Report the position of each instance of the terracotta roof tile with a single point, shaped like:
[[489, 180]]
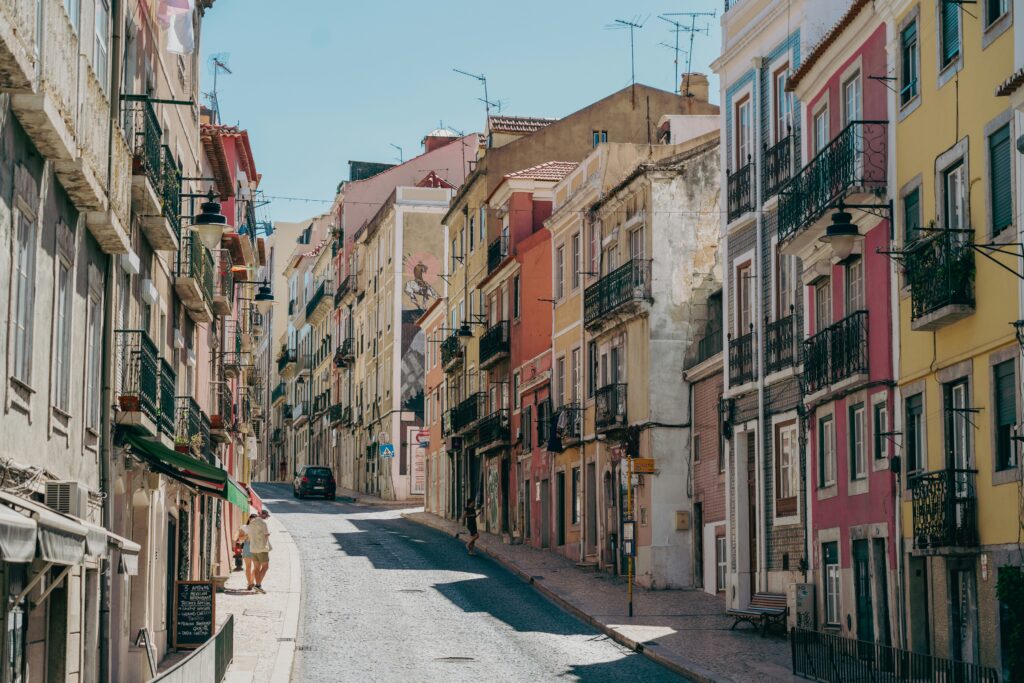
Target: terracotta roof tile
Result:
[[549, 170], [517, 124], [1011, 84], [825, 43]]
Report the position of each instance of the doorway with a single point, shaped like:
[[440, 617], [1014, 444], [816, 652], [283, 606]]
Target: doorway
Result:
[[591, 490], [881, 588], [752, 511], [698, 545], [504, 494], [172, 573], [560, 508], [545, 513], [862, 588], [527, 504], [963, 602]]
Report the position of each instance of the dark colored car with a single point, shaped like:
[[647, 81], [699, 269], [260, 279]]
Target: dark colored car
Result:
[[313, 480]]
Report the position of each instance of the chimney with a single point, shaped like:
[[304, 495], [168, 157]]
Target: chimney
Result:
[[438, 138], [698, 90]]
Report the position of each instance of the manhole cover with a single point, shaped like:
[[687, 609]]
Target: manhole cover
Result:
[[454, 659]]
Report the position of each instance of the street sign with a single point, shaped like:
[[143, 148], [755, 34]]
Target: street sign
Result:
[[423, 438], [387, 450], [643, 465]]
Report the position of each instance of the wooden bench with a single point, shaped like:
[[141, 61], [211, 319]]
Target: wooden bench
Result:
[[764, 609]]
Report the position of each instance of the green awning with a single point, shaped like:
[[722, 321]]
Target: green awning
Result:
[[189, 470]]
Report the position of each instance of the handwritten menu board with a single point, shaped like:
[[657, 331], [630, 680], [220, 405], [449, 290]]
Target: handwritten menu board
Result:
[[194, 613]]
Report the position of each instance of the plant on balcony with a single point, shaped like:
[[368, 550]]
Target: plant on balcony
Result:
[[129, 402]]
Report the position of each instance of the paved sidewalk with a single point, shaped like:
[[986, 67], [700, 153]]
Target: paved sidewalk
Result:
[[265, 625], [350, 496], [686, 631]]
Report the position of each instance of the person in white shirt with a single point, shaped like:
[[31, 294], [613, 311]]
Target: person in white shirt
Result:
[[259, 546]]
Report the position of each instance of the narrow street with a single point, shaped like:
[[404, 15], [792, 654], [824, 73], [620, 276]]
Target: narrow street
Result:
[[385, 599]]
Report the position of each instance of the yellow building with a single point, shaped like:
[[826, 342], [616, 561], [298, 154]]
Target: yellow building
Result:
[[958, 360]]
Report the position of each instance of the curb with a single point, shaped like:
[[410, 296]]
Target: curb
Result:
[[282, 671], [686, 668]]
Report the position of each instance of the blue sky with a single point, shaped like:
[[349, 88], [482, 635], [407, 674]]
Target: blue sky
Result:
[[320, 82]]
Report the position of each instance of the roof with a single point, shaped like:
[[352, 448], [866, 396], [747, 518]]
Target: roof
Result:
[[443, 133], [825, 43], [212, 136], [549, 170], [517, 124], [1011, 84]]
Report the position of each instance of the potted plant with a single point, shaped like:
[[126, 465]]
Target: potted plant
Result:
[[181, 444], [128, 402], [196, 443]]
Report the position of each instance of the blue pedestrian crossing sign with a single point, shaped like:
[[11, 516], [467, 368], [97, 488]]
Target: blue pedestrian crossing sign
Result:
[[387, 450]]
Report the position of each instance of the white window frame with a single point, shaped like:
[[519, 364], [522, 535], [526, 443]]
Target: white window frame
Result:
[[64, 293], [854, 273], [721, 563], [23, 284], [93, 362], [101, 48], [827, 444], [821, 135], [858, 436], [576, 254], [833, 591], [560, 272]]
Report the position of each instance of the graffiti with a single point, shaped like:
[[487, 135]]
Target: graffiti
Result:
[[413, 365], [420, 270], [492, 498]]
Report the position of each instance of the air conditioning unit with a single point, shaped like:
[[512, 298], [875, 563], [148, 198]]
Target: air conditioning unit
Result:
[[68, 497]]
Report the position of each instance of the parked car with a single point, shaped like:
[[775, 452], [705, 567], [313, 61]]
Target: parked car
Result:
[[313, 480]]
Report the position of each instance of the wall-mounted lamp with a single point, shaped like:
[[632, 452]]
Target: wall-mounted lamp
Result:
[[842, 234]]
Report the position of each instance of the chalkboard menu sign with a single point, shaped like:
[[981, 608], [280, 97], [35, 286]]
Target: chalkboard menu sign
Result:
[[194, 613]]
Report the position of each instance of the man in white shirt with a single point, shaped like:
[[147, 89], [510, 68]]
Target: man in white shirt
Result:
[[259, 546]]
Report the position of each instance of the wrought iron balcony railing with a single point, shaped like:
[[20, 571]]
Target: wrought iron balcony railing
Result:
[[451, 351], [740, 190], [138, 373], [318, 296], [468, 411], [570, 422], [345, 285], [780, 343], [277, 393], [838, 352], [776, 167], [335, 413], [188, 424], [494, 344], [141, 119], [939, 269], [610, 406], [168, 387], [170, 190], [195, 261], [854, 161], [742, 368], [629, 282], [493, 430], [346, 416], [345, 353], [945, 509], [709, 345], [497, 251], [286, 358]]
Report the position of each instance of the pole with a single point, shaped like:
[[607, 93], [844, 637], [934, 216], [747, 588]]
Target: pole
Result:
[[629, 511]]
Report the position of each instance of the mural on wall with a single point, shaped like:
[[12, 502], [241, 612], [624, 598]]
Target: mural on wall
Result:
[[413, 365], [492, 499], [421, 274]]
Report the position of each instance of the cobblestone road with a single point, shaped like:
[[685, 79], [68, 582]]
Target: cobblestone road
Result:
[[385, 599]]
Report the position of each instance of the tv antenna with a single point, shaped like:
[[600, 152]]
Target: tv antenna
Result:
[[693, 31], [219, 63], [401, 157], [676, 29], [483, 79], [633, 24]]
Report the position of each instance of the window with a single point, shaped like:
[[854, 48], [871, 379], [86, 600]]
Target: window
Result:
[[560, 272], [909, 63], [696, 448], [721, 442], [787, 469], [821, 129], [94, 347], [591, 368], [455, 251], [74, 10], [744, 302], [636, 244], [516, 283], [1005, 388], [822, 305], [595, 234], [783, 103], [784, 284], [577, 392], [826, 452], [911, 214], [949, 33], [957, 424], [101, 56], [576, 246], [527, 428], [744, 135], [1000, 179], [426, 409], [516, 402], [577, 496], [600, 136], [24, 297], [858, 455], [994, 10], [852, 90], [472, 233], [830, 563], [560, 381], [483, 223], [854, 286], [880, 420], [721, 563], [62, 359]]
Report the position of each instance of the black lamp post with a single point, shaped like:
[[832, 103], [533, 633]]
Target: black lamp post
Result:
[[1018, 330], [842, 234]]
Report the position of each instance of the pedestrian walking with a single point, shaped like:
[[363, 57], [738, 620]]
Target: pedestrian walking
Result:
[[259, 545], [469, 517], [243, 536]]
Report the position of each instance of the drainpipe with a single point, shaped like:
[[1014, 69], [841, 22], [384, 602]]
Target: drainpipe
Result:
[[583, 447], [762, 531]]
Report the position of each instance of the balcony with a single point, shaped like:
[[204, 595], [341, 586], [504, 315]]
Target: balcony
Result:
[[319, 305], [138, 380], [277, 394], [497, 251], [494, 344], [335, 413], [286, 362], [740, 197], [776, 167], [493, 431], [570, 423], [708, 345], [446, 422], [838, 353], [468, 411], [170, 193], [346, 286], [188, 430], [18, 42], [939, 271], [223, 283], [144, 135], [851, 168], [945, 510], [741, 359], [610, 407], [223, 413], [345, 354], [451, 352], [194, 277], [780, 344], [165, 408], [624, 285], [346, 416]]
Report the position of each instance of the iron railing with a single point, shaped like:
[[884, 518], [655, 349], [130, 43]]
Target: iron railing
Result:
[[494, 343], [138, 372], [837, 352], [195, 261], [776, 167], [496, 253], [780, 343], [740, 191], [742, 368], [345, 285], [168, 386], [199, 665], [318, 296], [855, 160], [451, 351], [286, 357], [570, 422], [141, 119], [629, 282], [170, 190], [939, 269], [343, 355], [468, 411], [610, 406], [832, 658], [729, 4], [493, 429], [188, 421], [346, 416], [945, 509], [277, 393], [709, 345]]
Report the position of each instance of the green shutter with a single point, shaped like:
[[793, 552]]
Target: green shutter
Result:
[[912, 214], [1006, 393], [950, 31], [1001, 179]]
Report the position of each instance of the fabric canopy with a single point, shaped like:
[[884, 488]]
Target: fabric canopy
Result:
[[95, 540], [128, 554], [189, 470], [255, 501], [61, 538], [17, 536]]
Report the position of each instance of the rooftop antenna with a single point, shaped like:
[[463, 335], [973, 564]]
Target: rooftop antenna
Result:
[[693, 31], [633, 24], [219, 62], [676, 29], [483, 79], [401, 157]]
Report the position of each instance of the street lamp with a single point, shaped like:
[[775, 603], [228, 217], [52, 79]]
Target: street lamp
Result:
[[1018, 330], [210, 222], [842, 234], [264, 298]]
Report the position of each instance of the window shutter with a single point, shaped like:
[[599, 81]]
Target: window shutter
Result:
[[950, 28], [1006, 395], [912, 215], [1001, 179]]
